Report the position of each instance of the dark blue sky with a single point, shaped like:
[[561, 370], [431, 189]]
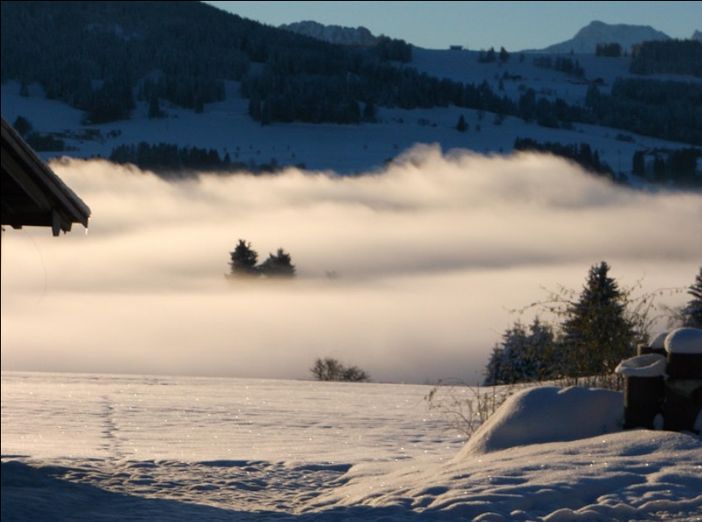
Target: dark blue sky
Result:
[[515, 25]]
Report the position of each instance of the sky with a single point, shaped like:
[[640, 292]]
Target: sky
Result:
[[478, 25], [429, 257]]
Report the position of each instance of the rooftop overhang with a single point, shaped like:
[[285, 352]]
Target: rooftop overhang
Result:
[[32, 194]]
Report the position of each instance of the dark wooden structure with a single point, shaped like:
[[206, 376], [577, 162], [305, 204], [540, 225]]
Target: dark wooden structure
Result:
[[32, 194]]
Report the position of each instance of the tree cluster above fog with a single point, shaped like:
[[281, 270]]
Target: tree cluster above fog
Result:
[[243, 263]]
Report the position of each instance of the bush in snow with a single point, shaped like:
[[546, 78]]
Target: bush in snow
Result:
[[466, 408], [329, 369]]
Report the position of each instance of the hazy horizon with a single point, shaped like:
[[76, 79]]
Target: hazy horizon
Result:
[[430, 254]]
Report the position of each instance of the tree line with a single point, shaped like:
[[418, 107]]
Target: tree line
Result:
[[598, 329], [678, 166], [582, 154], [666, 109], [667, 57]]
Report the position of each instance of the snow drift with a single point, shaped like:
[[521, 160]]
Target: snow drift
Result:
[[142, 447], [547, 414]]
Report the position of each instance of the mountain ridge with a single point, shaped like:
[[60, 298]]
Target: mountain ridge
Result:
[[335, 34], [596, 32]]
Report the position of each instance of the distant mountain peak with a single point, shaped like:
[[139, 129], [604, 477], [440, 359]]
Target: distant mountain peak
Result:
[[697, 35], [597, 32], [336, 34]]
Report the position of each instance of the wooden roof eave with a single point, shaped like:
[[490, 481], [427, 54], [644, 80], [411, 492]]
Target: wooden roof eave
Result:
[[55, 203]]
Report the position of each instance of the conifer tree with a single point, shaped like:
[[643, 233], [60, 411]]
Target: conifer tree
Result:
[[243, 260], [692, 313], [461, 126], [278, 265], [504, 55], [596, 333], [523, 355]]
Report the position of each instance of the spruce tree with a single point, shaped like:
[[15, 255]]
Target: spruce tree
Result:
[[596, 333], [243, 260], [461, 126], [504, 55], [278, 265], [692, 313], [523, 355]]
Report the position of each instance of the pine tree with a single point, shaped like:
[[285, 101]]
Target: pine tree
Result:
[[596, 332], [692, 313], [243, 260], [638, 164], [461, 126], [523, 355], [504, 55], [278, 265]]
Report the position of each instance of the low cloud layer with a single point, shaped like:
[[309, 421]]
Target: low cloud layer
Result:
[[429, 253]]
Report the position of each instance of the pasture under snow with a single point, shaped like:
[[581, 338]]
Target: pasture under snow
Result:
[[88, 447]]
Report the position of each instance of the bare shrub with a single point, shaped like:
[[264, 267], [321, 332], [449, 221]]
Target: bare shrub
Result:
[[467, 407]]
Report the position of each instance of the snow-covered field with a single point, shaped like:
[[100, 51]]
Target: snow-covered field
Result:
[[102, 447]]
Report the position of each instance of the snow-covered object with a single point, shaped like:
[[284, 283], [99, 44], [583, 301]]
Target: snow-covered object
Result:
[[684, 340], [659, 340], [648, 365], [548, 414]]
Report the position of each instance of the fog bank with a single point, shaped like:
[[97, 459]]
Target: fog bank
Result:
[[428, 256]]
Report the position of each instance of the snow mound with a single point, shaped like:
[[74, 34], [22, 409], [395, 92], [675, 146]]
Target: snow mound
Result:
[[684, 340], [659, 341], [548, 414], [648, 365]]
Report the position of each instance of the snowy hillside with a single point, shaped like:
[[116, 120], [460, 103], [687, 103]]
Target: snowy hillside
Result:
[[586, 39], [164, 448], [334, 34], [265, 97], [227, 127]]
